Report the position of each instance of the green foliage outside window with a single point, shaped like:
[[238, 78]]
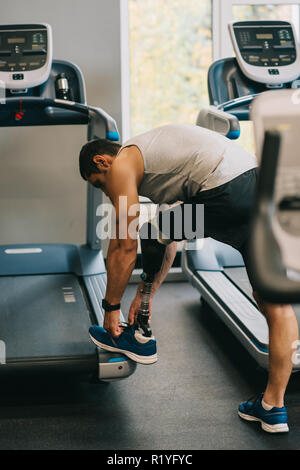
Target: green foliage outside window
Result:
[[170, 52], [262, 12]]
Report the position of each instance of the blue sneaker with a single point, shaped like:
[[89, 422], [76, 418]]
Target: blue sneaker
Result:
[[131, 343], [274, 420]]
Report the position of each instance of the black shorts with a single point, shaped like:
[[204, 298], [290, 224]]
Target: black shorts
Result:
[[227, 211]]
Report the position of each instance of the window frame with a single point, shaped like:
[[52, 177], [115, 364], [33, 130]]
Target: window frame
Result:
[[125, 69]]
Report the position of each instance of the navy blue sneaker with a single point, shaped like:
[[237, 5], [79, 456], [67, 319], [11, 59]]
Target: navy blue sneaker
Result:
[[131, 343], [274, 420]]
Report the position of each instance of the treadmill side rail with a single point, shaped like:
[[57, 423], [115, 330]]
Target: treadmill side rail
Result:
[[114, 366], [111, 366]]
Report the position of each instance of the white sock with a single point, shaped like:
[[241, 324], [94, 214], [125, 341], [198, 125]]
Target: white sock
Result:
[[266, 406]]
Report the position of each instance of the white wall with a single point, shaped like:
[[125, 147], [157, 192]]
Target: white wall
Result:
[[42, 198]]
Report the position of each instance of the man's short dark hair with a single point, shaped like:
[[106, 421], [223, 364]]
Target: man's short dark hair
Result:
[[92, 148]]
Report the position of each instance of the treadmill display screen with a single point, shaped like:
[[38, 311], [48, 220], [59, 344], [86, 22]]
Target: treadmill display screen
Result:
[[23, 50], [16, 40], [264, 36], [265, 46]]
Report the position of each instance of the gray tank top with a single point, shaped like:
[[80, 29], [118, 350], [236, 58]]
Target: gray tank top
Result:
[[181, 160]]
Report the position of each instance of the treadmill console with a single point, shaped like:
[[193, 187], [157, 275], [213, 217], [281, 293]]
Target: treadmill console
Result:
[[267, 51], [25, 55]]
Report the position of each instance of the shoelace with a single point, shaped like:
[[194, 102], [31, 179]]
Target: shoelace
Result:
[[126, 326], [255, 398]]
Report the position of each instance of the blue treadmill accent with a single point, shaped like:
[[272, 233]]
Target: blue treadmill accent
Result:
[[233, 135], [117, 359], [113, 136], [265, 350]]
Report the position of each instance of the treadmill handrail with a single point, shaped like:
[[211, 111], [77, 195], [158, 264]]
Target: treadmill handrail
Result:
[[111, 126], [45, 102], [237, 102], [90, 111]]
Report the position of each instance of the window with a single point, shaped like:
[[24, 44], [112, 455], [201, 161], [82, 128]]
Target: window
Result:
[[170, 53]]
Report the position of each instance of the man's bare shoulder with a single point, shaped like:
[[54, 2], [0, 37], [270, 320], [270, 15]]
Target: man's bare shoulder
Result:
[[131, 152], [129, 164]]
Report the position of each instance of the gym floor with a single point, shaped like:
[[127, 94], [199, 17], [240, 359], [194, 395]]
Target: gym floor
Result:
[[187, 400]]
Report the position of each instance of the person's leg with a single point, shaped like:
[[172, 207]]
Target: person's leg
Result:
[[268, 407], [283, 334]]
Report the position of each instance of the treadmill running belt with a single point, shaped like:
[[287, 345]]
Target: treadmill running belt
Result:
[[236, 305], [44, 316], [240, 278]]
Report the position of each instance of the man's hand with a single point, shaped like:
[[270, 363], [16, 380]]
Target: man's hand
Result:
[[112, 323], [135, 306]]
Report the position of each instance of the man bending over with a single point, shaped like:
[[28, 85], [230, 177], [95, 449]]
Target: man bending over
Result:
[[196, 166]]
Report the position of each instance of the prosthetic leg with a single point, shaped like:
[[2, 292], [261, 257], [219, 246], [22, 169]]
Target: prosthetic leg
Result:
[[153, 254]]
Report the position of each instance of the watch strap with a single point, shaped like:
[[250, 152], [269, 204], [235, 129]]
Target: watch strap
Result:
[[108, 307]]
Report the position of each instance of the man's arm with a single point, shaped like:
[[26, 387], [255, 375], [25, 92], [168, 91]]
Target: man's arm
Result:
[[122, 250], [120, 262]]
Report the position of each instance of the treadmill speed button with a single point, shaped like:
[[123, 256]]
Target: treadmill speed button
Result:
[[18, 76]]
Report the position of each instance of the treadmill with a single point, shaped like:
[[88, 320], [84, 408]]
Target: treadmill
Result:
[[50, 294], [267, 58]]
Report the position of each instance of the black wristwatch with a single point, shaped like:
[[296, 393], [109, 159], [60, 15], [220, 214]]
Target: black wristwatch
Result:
[[108, 307]]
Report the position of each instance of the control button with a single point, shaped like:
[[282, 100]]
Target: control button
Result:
[[273, 71], [18, 76]]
